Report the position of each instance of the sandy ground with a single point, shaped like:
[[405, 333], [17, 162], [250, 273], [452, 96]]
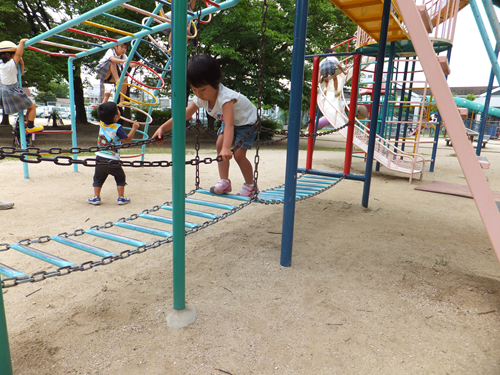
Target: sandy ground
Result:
[[409, 286]]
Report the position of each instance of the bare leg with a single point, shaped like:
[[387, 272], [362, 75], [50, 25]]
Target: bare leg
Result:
[[121, 191], [240, 155], [31, 113], [335, 82], [114, 72], [223, 165], [97, 191], [106, 97], [123, 90]]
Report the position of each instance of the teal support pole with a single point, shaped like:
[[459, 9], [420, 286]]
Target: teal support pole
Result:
[[292, 147], [492, 17], [387, 94], [76, 21], [179, 69], [486, 39], [5, 360], [22, 129], [71, 82]]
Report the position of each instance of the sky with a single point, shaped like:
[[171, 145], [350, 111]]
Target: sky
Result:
[[469, 64]]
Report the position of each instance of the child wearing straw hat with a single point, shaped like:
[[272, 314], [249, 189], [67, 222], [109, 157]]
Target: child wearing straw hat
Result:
[[12, 98]]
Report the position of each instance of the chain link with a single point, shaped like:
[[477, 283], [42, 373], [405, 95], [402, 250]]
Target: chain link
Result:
[[66, 270]]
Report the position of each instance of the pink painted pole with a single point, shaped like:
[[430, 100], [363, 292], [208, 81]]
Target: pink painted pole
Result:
[[352, 114], [312, 111], [474, 175]]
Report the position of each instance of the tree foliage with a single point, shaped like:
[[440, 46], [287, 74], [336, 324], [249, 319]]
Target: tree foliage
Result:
[[233, 36], [45, 97], [27, 19]]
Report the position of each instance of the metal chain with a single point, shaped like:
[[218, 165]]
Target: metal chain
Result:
[[197, 150], [91, 162], [263, 28], [38, 155], [66, 270]]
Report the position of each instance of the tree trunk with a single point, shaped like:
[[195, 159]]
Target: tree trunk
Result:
[[81, 114], [5, 119], [53, 116]]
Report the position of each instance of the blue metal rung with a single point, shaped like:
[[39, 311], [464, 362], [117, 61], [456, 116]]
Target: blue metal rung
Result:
[[321, 177], [166, 220], [230, 196], [209, 204], [301, 187], [193, 212], [49, 258], [272, 196], [298, 194], [312, 183], [140, 228], [83, 246], [116, 237], [10, 272]]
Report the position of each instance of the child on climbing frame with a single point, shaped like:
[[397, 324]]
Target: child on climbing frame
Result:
[[238, 116], [110, 133], [12, 97], [328, 68], [192, 40], [110, 66]]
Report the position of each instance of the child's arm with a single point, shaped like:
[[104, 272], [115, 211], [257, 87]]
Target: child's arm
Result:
[[166, 126], [21, 63], [19, 51], [131, 133], [228, 116]]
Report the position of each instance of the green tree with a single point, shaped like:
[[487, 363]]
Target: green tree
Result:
[[470, 97], [234, 36], [60, 89], [45, 97]]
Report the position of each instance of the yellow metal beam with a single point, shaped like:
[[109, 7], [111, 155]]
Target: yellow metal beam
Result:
[[367, 14]]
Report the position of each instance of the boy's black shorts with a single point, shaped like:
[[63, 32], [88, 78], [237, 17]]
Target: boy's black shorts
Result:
[[103, 171]]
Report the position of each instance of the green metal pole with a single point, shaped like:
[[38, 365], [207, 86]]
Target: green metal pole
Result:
[[5, 361], [179, 51]]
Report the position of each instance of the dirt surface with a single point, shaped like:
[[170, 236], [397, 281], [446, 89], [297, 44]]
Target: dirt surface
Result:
[[409, 286]]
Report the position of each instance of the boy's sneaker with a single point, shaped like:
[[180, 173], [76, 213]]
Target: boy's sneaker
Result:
[[221, 187], [337, 93], [247, 190], [123, 200], [95, 201]]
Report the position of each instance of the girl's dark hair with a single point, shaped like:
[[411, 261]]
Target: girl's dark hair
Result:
[[107, 112], [329, 50], [204, 70], [4, 57]]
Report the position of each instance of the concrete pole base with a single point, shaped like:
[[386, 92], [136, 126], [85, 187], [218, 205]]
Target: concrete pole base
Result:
[[181, 318]]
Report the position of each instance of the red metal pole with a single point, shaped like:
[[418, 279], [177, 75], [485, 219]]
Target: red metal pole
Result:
[[352, 114], [312, 111]]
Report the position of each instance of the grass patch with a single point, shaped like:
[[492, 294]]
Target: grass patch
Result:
[[441, 262]]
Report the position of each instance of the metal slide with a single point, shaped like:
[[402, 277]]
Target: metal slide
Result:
[[386, 153]]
